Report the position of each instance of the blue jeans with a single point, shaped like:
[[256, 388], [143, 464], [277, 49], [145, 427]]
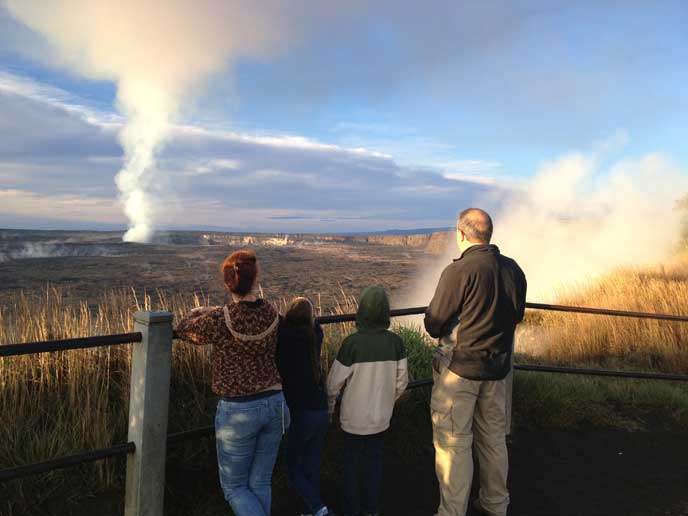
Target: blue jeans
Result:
[[361, 473], [248, 436], [304, 452]]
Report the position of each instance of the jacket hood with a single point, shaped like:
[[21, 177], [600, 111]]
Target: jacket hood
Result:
[[373, 310]]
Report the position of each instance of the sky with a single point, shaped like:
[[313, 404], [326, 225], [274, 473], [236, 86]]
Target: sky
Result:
[[392, 114]]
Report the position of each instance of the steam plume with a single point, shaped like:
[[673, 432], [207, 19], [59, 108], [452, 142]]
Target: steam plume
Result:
[[577, 220], [157, 52]]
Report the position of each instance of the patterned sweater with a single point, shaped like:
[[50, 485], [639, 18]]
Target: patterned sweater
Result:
[[244, 340]]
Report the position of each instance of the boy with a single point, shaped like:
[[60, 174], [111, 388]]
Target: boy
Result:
[[371, 367]]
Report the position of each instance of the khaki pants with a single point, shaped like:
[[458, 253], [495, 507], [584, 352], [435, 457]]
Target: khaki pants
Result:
[[461, 409], [509, 381]]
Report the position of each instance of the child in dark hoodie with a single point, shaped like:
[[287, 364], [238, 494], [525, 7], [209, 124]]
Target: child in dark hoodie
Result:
[[371, 367], [298, 361]]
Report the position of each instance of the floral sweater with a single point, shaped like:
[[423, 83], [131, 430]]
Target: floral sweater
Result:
[[244, 340]]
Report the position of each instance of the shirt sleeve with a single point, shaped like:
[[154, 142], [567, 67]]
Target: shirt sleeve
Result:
[[522, 289], [281, 354], [340, 372], [197, 326], [402, 370], [445, 304], [319, 337]]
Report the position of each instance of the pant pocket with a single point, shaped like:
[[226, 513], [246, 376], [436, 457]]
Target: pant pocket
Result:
[[442, 424]]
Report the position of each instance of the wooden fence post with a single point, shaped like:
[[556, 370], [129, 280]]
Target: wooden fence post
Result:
[[151, 362]]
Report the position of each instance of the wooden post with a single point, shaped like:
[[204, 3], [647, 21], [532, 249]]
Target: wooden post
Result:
[[151, 362]]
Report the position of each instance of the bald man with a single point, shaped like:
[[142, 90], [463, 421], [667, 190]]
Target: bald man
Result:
[[478, 302]]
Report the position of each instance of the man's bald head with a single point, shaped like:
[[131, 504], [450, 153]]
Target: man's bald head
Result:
[[476, 224]]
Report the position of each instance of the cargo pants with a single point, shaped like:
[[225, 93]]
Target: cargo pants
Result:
[[466, 412]]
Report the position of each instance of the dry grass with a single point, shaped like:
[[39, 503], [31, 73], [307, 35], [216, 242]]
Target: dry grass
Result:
[[618, 342]]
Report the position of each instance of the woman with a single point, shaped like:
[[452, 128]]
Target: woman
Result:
[[251, 413], [298, 360]]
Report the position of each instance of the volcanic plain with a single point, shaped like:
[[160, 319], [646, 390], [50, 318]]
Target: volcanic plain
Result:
[[84, 265]]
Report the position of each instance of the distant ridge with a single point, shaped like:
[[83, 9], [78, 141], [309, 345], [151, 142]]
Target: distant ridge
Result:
[[417, 231], [220, 229]]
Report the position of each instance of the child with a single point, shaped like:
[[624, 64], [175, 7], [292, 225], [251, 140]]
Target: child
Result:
[[298, 361], [371, 366]]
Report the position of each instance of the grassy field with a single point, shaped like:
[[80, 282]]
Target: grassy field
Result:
[[62, 403]]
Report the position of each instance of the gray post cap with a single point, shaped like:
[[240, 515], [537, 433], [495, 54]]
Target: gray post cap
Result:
[[157, 317]]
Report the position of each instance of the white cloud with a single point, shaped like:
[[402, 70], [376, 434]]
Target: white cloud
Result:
[[220, 178], [51, 96], [21, 203]]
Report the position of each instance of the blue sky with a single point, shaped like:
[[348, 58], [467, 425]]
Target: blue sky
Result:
[[397, 115]]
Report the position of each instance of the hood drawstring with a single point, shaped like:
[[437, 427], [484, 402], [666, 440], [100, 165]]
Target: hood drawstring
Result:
[[249, 338], [284, 426]]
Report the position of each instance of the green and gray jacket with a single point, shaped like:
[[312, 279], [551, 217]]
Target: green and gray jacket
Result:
[[371, 367]]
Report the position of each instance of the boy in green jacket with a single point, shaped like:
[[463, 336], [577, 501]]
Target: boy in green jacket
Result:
[[372, 368]]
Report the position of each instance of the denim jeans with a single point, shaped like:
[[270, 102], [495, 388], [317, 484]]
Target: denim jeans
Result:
[[361, 473], [248, 436], [304, 452]]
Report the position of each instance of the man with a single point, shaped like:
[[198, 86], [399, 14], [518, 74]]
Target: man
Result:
[[479, 301]]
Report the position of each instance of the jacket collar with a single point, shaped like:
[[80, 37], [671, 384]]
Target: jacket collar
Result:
[[479, 248]]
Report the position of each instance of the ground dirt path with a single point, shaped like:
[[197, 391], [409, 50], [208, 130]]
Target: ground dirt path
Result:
[[553, 473], [558, 473]]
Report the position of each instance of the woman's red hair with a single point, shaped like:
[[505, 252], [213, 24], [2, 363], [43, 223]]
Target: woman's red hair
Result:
[[239, 271]]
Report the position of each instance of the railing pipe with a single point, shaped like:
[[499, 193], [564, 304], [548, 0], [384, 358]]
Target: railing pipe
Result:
[[602, 372], [329, 319], [29, 348], [65, 462], [604, 311]]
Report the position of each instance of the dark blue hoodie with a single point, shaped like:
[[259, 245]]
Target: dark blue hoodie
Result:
[[300, 387]]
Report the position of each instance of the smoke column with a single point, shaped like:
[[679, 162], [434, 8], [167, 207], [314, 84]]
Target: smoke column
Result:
[[158, 52], [578, 219]]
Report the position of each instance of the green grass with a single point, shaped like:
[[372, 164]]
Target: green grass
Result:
[[544, 400]]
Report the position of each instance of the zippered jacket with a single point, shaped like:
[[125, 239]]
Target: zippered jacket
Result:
[[479, 300], [371, 367]]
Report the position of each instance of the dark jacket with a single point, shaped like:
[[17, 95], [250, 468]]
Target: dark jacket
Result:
[[486, 292], [300, 387]]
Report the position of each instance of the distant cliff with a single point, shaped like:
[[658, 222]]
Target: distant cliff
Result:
[[434, 243]]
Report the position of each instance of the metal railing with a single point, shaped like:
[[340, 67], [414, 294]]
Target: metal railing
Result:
[[151, 364], [66, 462], [33, 348]]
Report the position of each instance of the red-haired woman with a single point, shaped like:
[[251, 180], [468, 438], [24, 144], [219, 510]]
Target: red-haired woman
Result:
[[251, 414]]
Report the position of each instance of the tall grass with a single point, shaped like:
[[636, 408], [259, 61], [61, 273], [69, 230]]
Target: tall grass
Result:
[[618, 342], [57, 404]]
